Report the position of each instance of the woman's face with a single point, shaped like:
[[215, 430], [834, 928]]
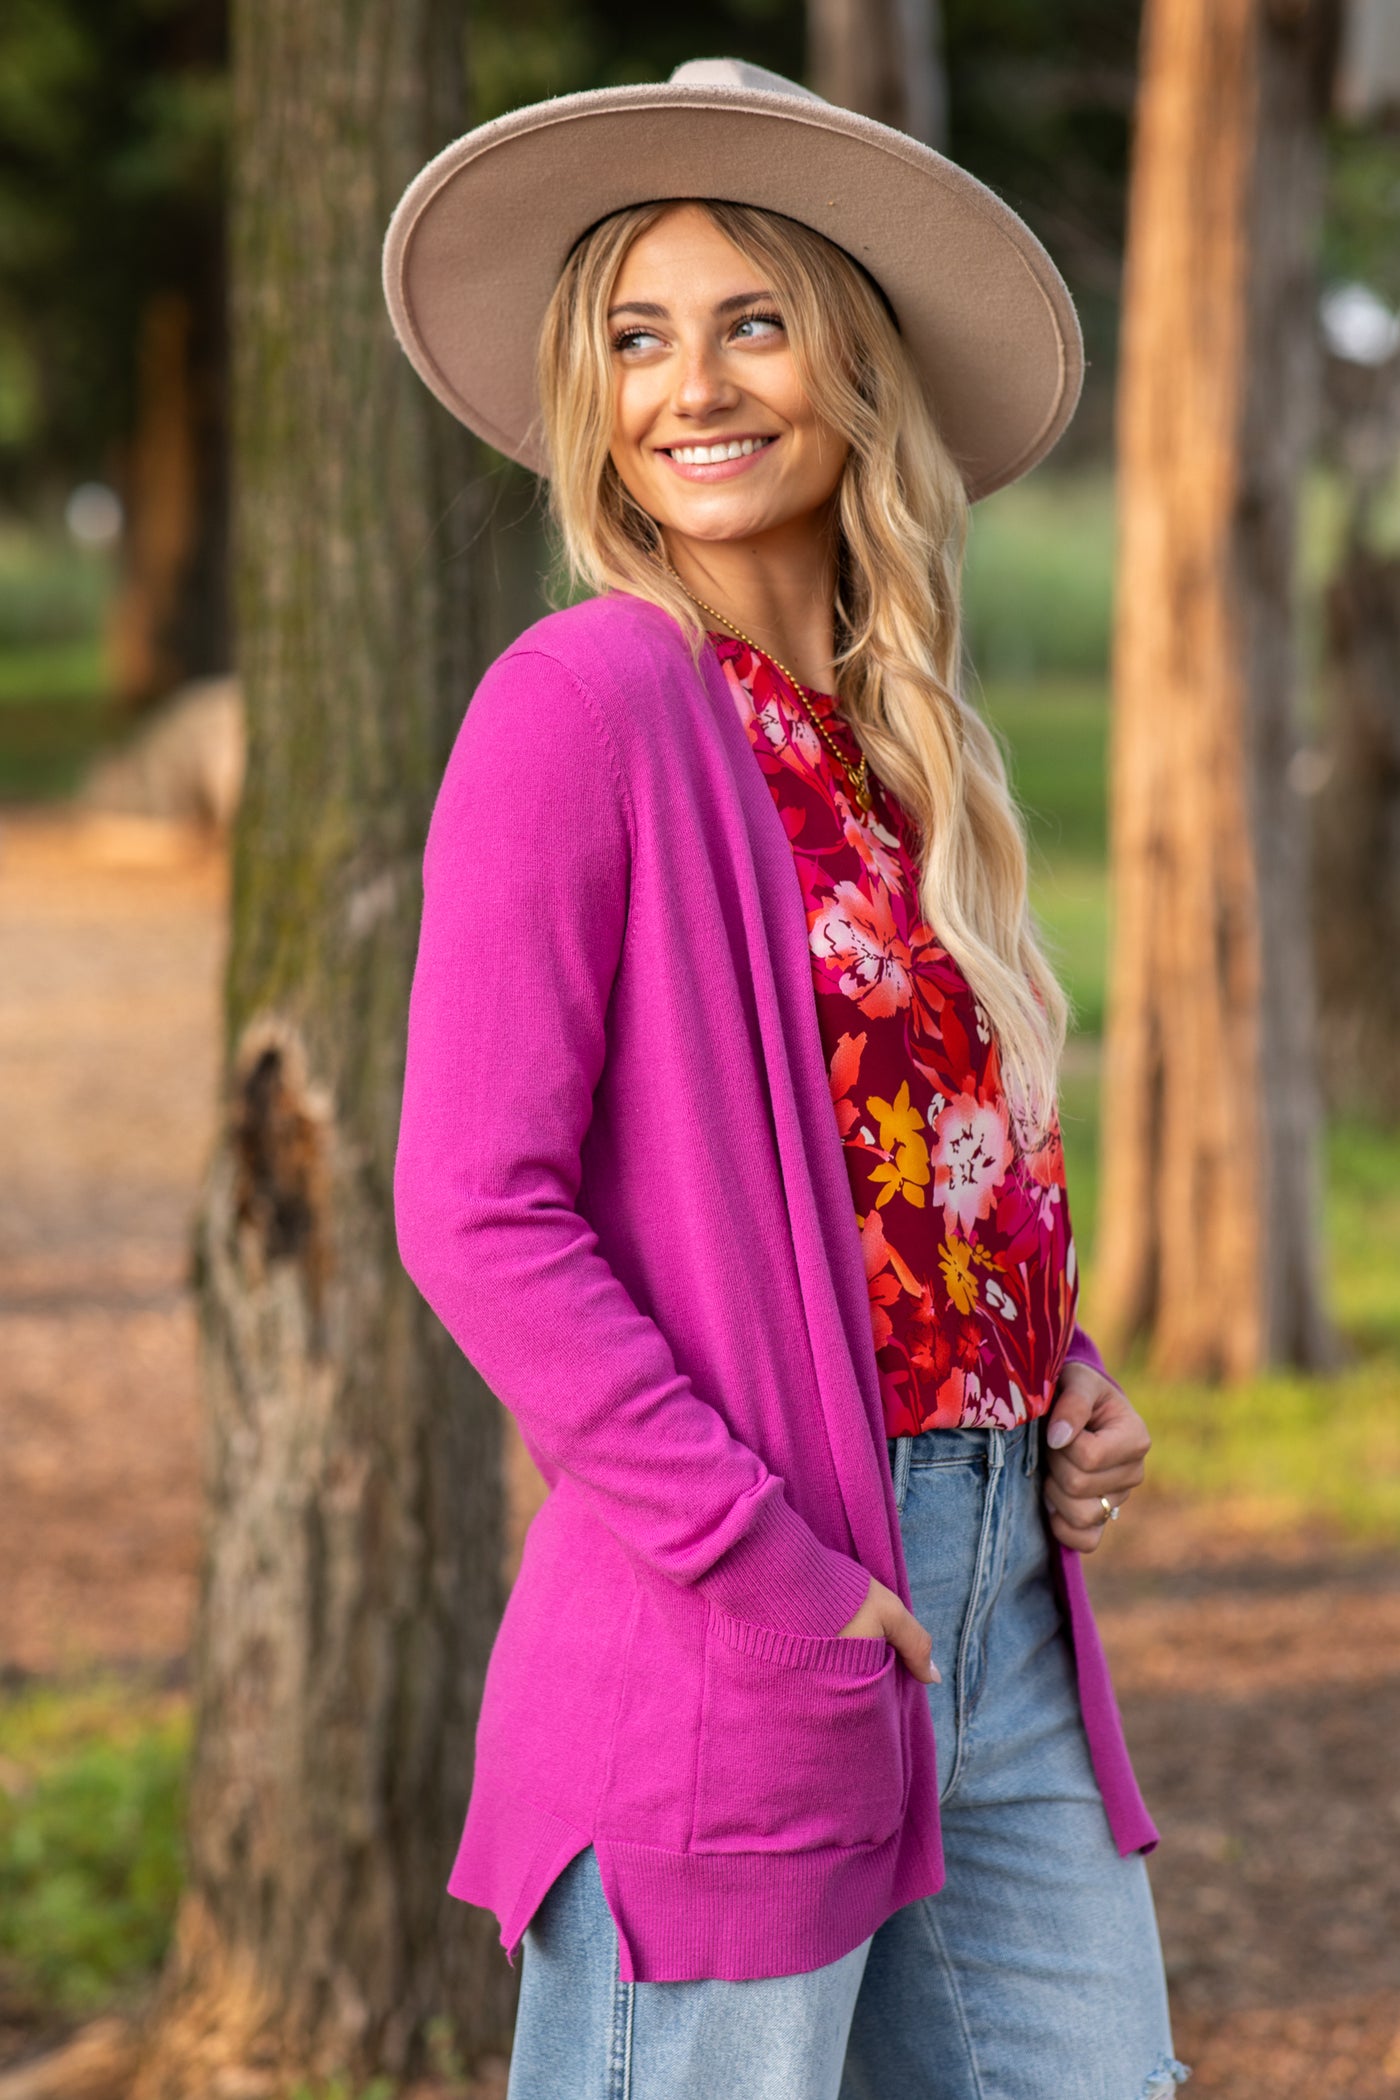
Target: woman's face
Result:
[[712, 432]]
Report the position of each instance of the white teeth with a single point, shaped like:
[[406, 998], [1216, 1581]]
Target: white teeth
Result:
[[711, 455]]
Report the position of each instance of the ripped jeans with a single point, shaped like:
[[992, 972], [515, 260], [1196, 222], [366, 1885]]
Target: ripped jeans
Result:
[[1035, 1973]]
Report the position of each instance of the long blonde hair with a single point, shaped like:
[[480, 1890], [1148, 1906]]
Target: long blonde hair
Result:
[[901, 512]]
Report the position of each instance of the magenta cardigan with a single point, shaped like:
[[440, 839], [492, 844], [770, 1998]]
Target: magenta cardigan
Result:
[[620, 1185]]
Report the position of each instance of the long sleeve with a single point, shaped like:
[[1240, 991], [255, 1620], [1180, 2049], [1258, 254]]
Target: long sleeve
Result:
[[527, 876], [1084, 1350]]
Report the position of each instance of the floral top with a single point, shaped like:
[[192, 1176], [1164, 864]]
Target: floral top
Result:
[[969, 1252]]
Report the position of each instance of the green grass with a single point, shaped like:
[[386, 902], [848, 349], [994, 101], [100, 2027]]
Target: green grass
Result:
[[1285, 1448], [1038, 590], [1055, 734], [1363, 1235], [1284, 1451], [55, 715], [91, 1814], [54, 703], [57, 675], [50, 590]]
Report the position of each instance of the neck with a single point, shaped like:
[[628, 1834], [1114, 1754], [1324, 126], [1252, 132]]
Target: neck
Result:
[[779, 590]]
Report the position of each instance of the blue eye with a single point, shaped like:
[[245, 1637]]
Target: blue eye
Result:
[[748, 320], [628, 336]]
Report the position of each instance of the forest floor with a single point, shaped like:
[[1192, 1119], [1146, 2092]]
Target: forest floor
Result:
[[1258, 1667]]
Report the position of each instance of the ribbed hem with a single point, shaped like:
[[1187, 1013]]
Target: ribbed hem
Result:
[[780, 1574], [685, 1916], [740, 1915]]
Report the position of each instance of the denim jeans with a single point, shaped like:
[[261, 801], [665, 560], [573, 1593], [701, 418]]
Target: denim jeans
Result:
[[1034, 1974]]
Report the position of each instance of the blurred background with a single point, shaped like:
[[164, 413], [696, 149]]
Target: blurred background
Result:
[[245, 587]]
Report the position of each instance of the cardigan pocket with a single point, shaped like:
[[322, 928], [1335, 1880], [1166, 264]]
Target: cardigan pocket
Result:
[[801, 1741]]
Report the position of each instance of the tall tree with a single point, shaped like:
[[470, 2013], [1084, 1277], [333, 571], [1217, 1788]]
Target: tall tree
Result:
[[354, 1539], [112, 312], [1210, 1224], [883, 58], [1356, 895]]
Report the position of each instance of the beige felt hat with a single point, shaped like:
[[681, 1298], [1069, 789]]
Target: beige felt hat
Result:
[[477, 241]]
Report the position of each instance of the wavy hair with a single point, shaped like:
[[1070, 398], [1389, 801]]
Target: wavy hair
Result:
[[901, 516]]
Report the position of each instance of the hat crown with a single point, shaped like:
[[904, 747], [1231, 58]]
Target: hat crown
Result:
[[737, 73]]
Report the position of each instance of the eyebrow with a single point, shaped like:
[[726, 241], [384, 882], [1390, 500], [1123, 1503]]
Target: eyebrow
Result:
[[652, 312]]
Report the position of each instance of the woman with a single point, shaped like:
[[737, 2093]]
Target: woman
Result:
[[729, 1152]]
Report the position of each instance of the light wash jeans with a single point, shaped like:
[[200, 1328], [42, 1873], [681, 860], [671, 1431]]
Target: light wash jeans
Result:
[[1034, 1974]]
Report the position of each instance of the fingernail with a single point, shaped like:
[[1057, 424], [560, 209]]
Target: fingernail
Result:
[[1058, 1435]]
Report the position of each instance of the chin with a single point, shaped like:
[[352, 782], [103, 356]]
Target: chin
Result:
[[712, 523]]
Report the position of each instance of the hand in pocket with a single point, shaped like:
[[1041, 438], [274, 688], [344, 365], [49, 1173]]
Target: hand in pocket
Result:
[[883, 1617]]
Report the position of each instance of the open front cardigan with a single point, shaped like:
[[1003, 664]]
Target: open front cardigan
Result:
[[620, 1185]]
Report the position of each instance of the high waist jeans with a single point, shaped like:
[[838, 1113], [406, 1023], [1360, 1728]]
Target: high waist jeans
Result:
[[1034, 1974]]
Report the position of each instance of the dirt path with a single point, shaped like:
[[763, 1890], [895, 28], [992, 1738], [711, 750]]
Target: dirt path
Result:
[[1259, 1676], [111, 955], [1261, 1693]]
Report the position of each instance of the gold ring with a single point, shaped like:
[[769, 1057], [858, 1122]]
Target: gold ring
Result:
[[1110, 1509]]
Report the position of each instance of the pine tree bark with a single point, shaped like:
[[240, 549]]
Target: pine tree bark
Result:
[[169, 620], [354, 1542], [1356, 898], [1209, 1220], [883, 58]]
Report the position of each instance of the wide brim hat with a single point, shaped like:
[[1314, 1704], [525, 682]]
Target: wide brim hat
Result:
[[477, 242]]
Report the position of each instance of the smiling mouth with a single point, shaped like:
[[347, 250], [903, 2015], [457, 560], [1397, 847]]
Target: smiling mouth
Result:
[[715, 454]]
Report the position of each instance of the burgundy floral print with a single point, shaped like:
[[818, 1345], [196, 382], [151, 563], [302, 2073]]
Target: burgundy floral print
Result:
[[969, 1253]]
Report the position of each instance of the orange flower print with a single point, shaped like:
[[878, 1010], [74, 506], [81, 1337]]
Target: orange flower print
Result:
[[972, 1153], [843, 1074], [929, 997], [858, 934], [877, 847], [884, 1289], [1047, 1162]]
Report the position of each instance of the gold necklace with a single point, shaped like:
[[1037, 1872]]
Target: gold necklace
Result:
[[859, 775]]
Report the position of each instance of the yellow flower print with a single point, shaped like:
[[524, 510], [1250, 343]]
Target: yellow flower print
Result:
[[898, 1120], [955, 1258], [908, 1172]]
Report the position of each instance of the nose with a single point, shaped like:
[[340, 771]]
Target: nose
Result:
[[702, 387]]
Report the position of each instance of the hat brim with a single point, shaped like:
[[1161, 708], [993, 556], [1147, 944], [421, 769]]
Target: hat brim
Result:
[[476, 244]]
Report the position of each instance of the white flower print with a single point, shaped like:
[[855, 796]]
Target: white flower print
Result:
[[971, 1153]]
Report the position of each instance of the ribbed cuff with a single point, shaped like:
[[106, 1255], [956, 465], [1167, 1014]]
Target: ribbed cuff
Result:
[[779, 1574], [1083, 1350]]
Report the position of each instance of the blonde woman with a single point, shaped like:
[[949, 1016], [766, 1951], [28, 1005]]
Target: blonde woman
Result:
[[729, 1151]]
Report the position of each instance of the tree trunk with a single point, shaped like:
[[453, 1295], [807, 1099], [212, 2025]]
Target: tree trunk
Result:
[[883, 58], [354, 1543], [169, 620], [1210, 1215], [1357, 894]]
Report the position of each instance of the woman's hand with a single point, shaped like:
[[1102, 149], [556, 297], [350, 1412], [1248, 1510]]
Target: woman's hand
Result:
[[1097, 1443], [883, 1617]]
